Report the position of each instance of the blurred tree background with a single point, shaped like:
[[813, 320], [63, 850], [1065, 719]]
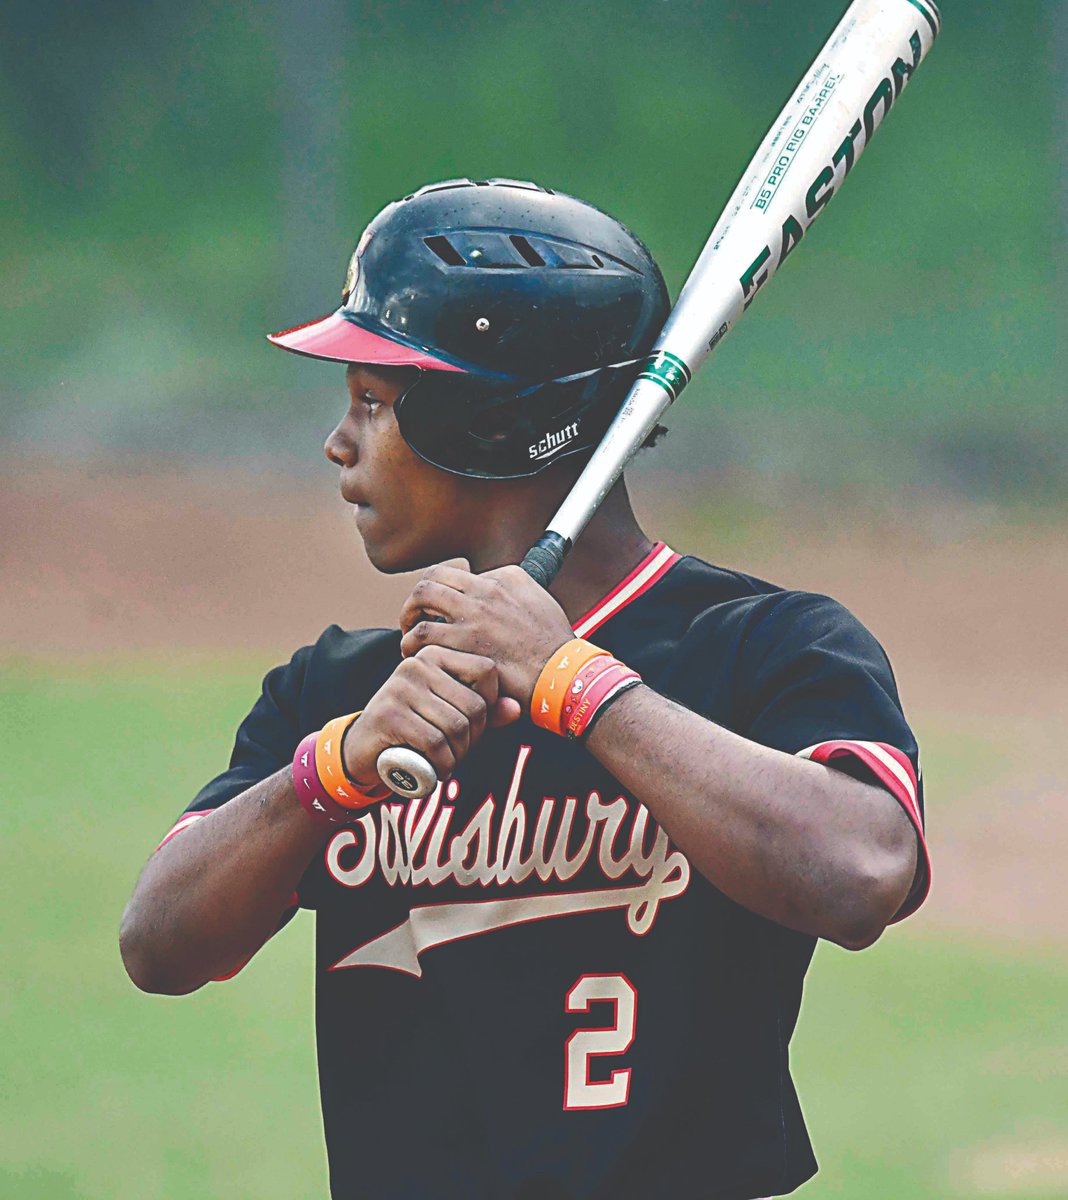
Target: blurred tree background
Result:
[[180, 179]]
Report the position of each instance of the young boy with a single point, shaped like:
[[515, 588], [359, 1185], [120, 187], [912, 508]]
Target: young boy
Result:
[[574, 969]]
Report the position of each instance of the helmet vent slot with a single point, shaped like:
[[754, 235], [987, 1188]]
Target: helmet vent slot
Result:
[[445, 250], [527, 250]]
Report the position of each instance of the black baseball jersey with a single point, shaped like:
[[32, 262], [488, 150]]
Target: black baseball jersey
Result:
[[524, 989]]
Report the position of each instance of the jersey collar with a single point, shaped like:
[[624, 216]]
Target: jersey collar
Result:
[[652, 568]]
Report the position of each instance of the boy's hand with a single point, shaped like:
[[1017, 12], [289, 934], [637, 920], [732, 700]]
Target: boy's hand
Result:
[[438, 702], [502, 615]]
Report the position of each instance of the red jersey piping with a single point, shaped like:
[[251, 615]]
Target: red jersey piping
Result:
[[893, 769], [649, 571]]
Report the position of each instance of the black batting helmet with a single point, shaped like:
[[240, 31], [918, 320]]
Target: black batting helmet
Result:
[[527, 312]]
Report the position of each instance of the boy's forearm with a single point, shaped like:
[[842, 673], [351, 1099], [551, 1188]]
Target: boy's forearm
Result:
[[209, 899], [797, 842]]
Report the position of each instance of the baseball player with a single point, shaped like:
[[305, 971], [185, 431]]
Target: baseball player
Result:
[[573, 970]]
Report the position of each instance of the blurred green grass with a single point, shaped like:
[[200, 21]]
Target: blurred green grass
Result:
[[912, 1058]]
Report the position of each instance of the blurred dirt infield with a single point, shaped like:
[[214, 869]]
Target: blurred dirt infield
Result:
[[971, 610]]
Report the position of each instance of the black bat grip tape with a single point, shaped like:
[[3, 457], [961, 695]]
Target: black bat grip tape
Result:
[[545, 558]]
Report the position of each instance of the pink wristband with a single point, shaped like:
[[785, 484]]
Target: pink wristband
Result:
[[609, 684], [314, 798], [580, 685]]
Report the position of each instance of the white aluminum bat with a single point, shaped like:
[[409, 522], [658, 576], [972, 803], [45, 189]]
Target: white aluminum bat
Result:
[[806, 156]]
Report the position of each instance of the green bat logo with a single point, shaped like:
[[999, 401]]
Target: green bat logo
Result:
[[822, 188]]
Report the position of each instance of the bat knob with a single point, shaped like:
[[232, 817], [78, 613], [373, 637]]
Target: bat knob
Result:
[[406, 772]]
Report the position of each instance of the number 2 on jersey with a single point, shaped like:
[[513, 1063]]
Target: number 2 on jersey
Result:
[[584, 1044]]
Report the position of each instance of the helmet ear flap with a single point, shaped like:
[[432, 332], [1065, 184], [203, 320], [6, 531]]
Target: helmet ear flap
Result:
[[500, 423], [465, 424], [499, 429]]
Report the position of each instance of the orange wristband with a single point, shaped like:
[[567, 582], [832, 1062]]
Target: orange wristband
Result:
[[330, 766], [547, 703]]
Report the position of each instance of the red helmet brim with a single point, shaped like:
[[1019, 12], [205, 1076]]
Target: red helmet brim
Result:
[[336, 339]]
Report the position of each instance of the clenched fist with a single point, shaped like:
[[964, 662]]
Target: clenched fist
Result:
[[438, 701], [502, 615]]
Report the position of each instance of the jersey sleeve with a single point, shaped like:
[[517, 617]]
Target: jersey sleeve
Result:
[[266, 741], [812, 681]]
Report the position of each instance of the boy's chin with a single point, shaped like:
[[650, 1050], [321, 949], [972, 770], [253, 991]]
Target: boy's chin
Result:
[[393, 560]]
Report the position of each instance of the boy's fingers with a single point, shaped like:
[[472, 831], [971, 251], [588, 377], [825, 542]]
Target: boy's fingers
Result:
[[504, 712]]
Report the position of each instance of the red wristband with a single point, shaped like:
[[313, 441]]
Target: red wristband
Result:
[[610, 683], [579, 687], [314, 798]]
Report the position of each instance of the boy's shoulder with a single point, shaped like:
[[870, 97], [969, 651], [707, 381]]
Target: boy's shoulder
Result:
[[694, 604], [699, 593]]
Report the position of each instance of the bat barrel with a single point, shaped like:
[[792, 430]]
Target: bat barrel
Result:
[[806, 156]]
